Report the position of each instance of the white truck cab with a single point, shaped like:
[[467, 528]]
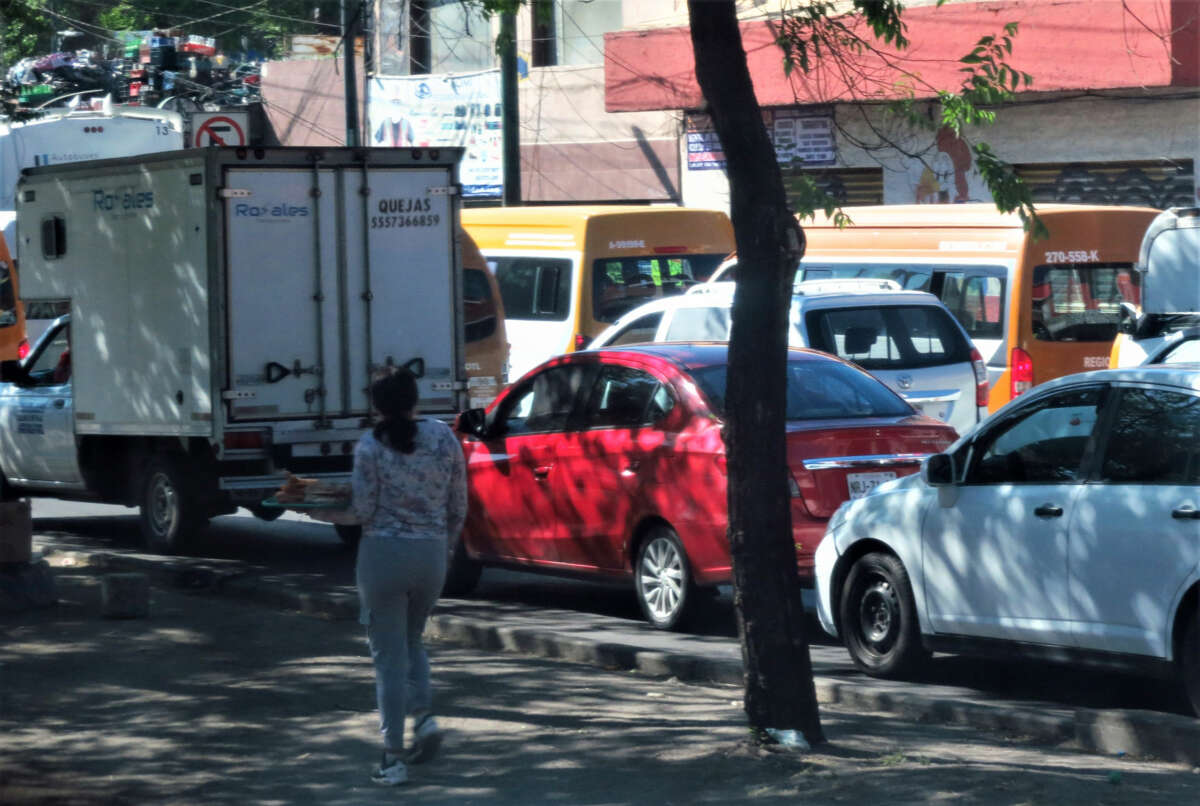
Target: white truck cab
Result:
[[37, 422]]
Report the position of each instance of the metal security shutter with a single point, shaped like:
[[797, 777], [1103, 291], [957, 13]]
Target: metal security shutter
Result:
[[1151, 183], [849, 186]]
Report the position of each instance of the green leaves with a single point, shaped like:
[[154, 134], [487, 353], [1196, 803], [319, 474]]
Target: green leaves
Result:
[[1008, 191], [820, 35], [808, 197]]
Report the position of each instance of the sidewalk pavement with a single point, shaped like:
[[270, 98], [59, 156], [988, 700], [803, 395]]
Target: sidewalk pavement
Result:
[[208, 700], [591, 640]]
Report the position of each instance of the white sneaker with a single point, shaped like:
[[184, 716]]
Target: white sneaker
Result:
[[426, 740], [391, 772]]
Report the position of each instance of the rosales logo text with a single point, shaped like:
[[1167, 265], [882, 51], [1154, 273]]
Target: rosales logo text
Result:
[[281, 210], [109, 201]]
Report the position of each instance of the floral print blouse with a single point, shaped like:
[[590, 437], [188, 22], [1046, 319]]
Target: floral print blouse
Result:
[[421, 495]]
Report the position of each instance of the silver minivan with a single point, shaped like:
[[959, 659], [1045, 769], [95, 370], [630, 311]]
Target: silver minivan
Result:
[[907, 339]]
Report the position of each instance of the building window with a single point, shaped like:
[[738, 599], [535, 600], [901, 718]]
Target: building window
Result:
[[1150, 183], [543, 53], [449, 36], [580, 26], [418, 40]]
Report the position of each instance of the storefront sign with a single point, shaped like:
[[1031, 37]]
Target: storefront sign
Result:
[[800, 138], [800, 135], [460, 109]]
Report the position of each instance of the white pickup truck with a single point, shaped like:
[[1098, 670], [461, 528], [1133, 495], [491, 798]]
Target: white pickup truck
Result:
[[218, 316]]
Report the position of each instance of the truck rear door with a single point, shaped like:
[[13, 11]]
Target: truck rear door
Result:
[[334, 274]]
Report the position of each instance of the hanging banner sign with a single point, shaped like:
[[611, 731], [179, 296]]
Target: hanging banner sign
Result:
[[455, 109]]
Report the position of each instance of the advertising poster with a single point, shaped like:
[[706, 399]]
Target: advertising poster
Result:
[[455, 109]]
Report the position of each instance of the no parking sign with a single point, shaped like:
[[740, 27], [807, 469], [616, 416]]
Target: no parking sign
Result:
[[219, 129]]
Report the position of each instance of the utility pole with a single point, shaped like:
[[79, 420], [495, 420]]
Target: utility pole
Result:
[[349, 26], [508, 105]]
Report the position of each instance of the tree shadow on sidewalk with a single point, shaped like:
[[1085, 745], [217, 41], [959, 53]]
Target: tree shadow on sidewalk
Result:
[[215, 701]]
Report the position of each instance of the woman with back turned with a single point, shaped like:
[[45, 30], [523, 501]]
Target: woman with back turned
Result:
[[410, 495]]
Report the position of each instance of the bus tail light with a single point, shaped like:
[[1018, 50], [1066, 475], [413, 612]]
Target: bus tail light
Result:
[[1021, 369], [981, 379], [23, 349], [580, 341]]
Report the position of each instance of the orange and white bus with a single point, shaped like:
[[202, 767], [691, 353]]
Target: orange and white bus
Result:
[[566, 273], [1036, 309], [13, 344]]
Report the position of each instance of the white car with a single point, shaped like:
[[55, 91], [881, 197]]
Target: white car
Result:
[[1066, 526], [907, 339]]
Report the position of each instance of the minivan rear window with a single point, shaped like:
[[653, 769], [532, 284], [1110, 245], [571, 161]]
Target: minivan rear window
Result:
[[889, 338], [817, 390]]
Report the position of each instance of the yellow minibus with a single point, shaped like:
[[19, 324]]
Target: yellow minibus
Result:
[[1036, 309], [566, 273]]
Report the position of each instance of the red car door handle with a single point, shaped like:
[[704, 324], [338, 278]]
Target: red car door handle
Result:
[[1048, 511], [630, 468], [1186, 513], [541, 471]]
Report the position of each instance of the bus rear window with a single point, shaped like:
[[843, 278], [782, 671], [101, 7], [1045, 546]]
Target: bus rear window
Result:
[[621, 284], [1081, 302]]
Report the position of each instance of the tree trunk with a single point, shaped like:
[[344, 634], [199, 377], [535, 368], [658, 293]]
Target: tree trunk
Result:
[[780, 692]]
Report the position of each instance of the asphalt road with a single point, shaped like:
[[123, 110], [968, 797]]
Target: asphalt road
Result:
[[297, 546]]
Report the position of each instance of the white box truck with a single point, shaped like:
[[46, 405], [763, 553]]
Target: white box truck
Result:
[[219, 314]]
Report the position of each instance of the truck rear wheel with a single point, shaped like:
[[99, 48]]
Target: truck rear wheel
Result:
[[170, 513]]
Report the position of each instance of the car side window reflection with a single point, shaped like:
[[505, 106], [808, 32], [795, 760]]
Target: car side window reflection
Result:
[[52, 367], [1044, 444], [626, 397], [1154, 439], [545, 404]]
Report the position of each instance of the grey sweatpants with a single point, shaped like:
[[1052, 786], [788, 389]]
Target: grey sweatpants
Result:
[[399, 581]]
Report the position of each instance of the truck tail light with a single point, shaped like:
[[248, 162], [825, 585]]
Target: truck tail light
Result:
[[245, 440], [1021, 370], [981, 379]]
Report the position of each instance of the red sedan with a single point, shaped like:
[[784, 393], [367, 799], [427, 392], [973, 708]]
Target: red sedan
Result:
[[611, 464]]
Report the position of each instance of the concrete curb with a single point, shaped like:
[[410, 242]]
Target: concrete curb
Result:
[[1169, 737]]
